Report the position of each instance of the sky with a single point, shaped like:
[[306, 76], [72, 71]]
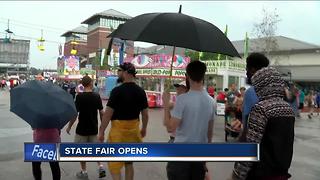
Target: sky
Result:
[[299, 19]]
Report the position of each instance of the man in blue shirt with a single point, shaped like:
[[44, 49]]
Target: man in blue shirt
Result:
[[255, 62], [192, 118], [249, 100]]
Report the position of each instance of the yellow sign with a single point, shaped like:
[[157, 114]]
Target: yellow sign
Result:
[[226, 64], [211, 70], [236, 65], [216, 64]]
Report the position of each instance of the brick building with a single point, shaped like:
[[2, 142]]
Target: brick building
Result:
[[79, 35], [93, 38], [100, 25]]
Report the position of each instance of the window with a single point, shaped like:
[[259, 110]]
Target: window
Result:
[[106, 22], [94, 25]]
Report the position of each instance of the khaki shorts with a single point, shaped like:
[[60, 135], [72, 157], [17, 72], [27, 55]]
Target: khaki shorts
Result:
[[85, 139]]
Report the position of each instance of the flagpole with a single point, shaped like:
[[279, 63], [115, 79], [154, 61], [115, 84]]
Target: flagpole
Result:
[[226, 34], [246, 46]]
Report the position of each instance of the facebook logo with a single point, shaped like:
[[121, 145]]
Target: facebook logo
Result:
[[40, 152]]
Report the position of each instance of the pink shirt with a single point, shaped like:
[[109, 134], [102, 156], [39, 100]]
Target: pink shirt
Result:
[[46, 135]]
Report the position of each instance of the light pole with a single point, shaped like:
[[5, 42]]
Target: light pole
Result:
[[290, 76]]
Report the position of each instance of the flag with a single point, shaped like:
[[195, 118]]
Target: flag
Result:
[[110, 59], [246, 46], [103, 52], [186, 52], [226, 34], [60, 50], [121, 52], [200, 55]]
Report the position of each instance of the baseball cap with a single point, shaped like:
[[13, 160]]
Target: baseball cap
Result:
[[129, 67], [182, 83]]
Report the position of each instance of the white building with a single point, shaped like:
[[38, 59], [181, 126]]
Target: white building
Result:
[[295, 59]]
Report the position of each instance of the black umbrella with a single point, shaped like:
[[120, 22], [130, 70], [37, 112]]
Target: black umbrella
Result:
[[42, 104], [176, 29]]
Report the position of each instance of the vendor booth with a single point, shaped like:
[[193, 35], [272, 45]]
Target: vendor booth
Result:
[[153, 70], [222, 73]]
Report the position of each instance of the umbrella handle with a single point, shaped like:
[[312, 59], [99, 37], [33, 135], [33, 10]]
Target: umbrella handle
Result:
[[167, 85], [169, 82]]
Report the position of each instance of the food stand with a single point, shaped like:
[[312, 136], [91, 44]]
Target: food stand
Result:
[[153, 70], [222, 73]]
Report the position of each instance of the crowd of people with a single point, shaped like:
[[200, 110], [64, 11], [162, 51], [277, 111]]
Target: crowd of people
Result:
[[10, 83], [264, 113]]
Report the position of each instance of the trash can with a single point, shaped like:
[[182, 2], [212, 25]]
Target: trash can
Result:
[[152, 100]]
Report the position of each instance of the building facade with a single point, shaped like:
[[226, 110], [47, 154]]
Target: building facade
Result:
[[100, 25], [298, 61], [92, 39], [14, 57]]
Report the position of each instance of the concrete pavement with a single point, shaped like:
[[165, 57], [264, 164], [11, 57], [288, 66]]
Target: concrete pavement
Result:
[[14, 131]]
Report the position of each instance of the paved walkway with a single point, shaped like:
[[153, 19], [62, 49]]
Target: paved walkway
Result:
[[14, 131]]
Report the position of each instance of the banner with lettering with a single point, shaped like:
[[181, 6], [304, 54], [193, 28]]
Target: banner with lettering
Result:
[[159, 61], [158, 72], [226, 64]]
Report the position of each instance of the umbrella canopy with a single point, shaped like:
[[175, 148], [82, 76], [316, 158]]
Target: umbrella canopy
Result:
[[42, 104], [176, 29]]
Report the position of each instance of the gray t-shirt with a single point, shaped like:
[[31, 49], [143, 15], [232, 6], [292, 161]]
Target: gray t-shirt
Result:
[[195, 109]]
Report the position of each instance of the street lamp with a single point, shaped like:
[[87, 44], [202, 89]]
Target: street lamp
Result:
[[290, 76]]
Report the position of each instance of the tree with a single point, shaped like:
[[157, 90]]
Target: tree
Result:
[[209, 56], [194, 55], [265, 31]]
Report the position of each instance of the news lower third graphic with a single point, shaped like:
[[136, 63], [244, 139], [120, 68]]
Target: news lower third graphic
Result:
[[40, 152], [141, 152]]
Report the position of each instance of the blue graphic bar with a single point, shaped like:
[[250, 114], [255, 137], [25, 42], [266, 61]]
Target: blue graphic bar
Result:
[[40, 152], [158, 152], [141, 152]]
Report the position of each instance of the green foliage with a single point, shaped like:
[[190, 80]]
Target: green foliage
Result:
[[194, 55], [105, 65], [96, 62]]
